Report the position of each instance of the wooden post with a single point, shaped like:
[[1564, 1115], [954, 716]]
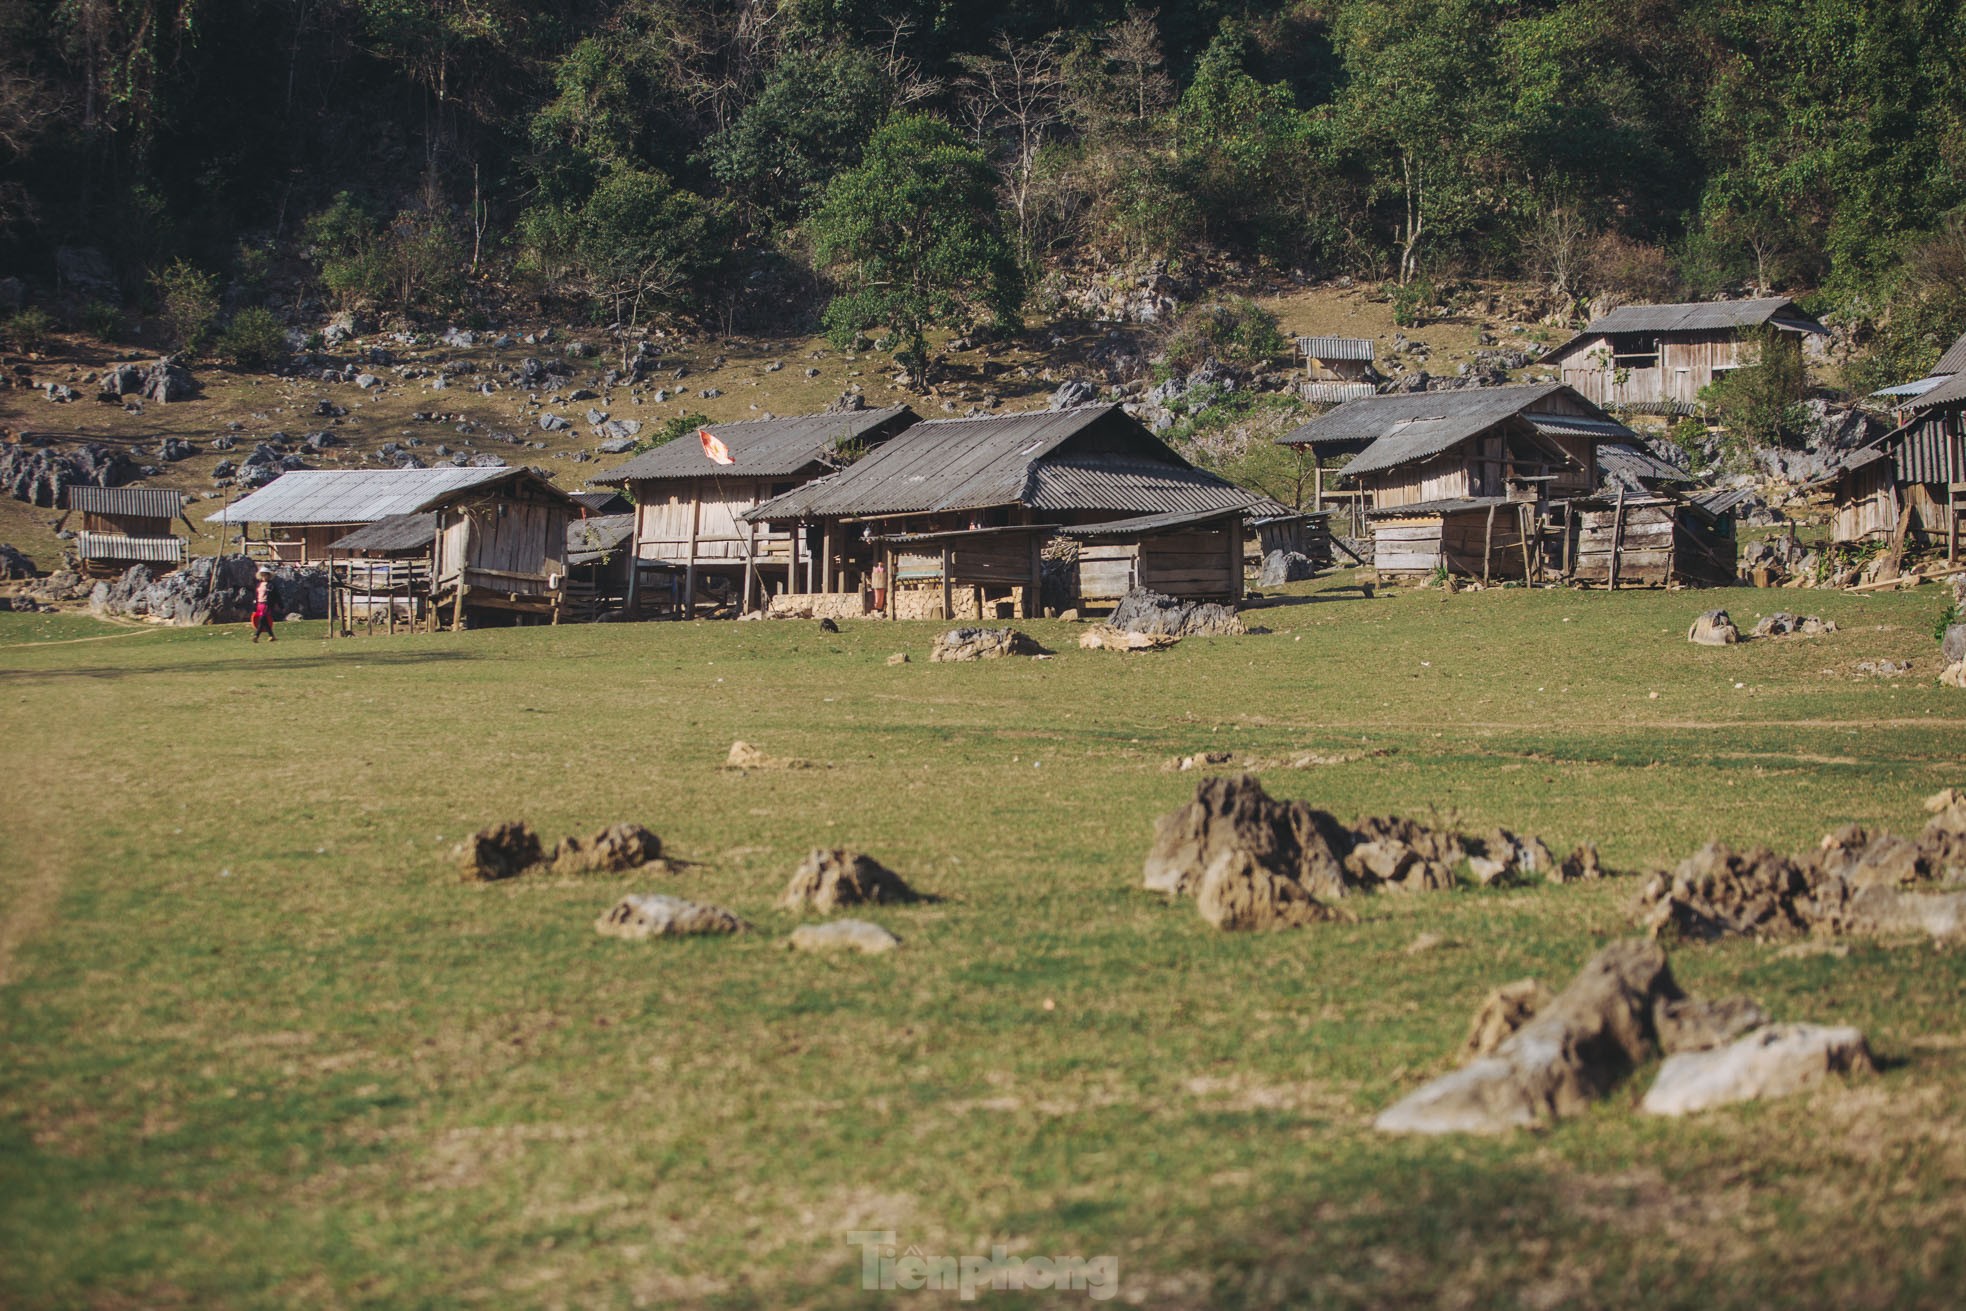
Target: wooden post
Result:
[[1952, 489], [689, 569], [893, 583], [948, 588], [391, 576], [1487, 541], [463, 560], [1617, 537], [826, 556], [632, 603], [1317, 479], [1527, 516], [1034, 591]]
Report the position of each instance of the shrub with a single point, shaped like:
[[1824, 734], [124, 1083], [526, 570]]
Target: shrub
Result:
[[255, 339], [1235, 331], [347, 245], [29, 330], [1412, 300], [187, 304], [1758, 403], [102, 320], [1631, 269]]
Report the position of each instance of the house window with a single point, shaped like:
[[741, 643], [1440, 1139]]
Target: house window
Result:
[[1635, 352]]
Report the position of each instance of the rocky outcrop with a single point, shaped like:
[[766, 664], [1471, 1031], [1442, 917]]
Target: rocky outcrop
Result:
[[1281, 566], [501, 851], [616, 848], [658, 916], [960, 644], [209, 590], [1234, 815], [1714, 628], [1142, 611], [1236, 893], [843, 935], [39, 476], [1776, 1061], [829, 879]]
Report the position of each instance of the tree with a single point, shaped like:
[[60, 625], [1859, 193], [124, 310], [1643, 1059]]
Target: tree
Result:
[[187, 304], [645, 244], [1015, 100], [809, 122], [912, 236]]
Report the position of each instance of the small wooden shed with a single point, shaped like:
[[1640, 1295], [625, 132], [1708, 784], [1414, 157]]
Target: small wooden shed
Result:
[[1197, 556], [380, 574], [1660, 357], [1650, 541], [124, 526], [966, 573], [1338, 369], [1487, 537], [1909, 486]]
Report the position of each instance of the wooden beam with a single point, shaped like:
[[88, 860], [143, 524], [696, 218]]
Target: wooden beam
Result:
[[689, 573], [1617, 537]]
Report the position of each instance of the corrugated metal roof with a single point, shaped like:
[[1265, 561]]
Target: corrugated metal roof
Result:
[[1420, 439], [964, 534], [1622, 462], [1336, 348], [333, 496], [602, 502], [1950, 392], [136, 502], [1571, 425], [1954, 360], [1706, 316], [1114, 482], [1453, 505], [137, 550], [1370, 418], [1723, 501], [590, 539], [761, 448], [963, 464], [1337, 393], [399, 532], [1146, 525], [1918, 452], [1918, 388]]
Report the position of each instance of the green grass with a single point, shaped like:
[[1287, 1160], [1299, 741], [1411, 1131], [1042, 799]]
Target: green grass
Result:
[[259, 1048]]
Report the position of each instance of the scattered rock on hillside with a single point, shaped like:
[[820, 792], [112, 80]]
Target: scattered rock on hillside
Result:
[[13, 564], [1074, 393], [898, 658], [1574, 1050], [829, 879], [1775, 1061], [1952, 644], [1236, 893], [657, 916], [1718, 892], [1713, 628], [1504, 1011], [502, 851], [1142, 611], [1289, 839], [843, 935], [1783, 624], [39, 477], [1102, 637], [168, 381], [745, 756], [617, 847], [1692, 1024], [959, 644], [208, 590], [1954, 675]]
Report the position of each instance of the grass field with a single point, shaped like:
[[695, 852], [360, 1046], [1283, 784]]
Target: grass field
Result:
[[260, 1048]]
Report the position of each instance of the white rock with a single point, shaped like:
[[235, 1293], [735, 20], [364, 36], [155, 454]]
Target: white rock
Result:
[[1775, 1061], [660, 916], [843, 935]]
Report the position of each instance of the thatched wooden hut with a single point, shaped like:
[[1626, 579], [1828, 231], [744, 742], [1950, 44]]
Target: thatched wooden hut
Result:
[[1660, 357], [690, 509], [124, 526], [1907, 488]]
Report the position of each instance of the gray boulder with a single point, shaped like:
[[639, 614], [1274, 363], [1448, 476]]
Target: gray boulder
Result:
[[553, 423], [1953, 645], [659, 916], [843, 935], [168, 381], [1713, 628], [1142, 611], [1072, 394], [961, 644], [1776, 1061], [1281, 566]]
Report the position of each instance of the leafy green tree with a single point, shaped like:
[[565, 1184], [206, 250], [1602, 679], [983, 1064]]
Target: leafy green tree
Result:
[[808, 123], [644, 244], [255, 339], [187, 305], [1250, 152], [914, 240], [347, 246], [1757, 402]]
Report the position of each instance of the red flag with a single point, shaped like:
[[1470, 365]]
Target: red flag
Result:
[[713, 448]]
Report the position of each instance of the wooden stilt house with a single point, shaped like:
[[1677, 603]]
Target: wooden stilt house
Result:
[[690, 509], [967, 488], [1338, 369], [124, 526], [1908, 488]]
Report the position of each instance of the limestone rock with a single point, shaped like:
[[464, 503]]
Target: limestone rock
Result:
[[615, 848], [745, 756], [1238, 894], [1954, 675], [1718, 892], [1288, 839], [502, 851], [960, 644], [1575, 1049], [827, 880], [1774, 1061], [658, 916], [1690, 1024], [1952, 645], [1783, 624], [1504, 1011], [843, 935], [1713, 628], [1103, 637], [1142, 611], [898, 658], [1281, 566], [1580, 864]]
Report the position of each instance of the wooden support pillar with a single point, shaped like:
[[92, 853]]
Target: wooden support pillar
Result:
[[689, 570], [1317, 479], [1617, 537], [1487, 541], [826, 556], [1034, 591], [948, 588], [893, 583], [1527, 516]]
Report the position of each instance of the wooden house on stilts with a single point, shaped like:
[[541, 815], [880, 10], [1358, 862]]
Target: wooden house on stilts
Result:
[[124, 526], [692, 538]]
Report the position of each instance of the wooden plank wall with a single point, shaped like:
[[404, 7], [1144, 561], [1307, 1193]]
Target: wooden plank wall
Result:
[[1406, 546], [1443, 478], [1867, 504], [1462, 534], [1106, 569], [1646, 556], [1200, 565], [664, 510]]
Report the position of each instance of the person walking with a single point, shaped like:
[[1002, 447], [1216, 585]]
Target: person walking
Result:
[[878, 583], [263, 606]]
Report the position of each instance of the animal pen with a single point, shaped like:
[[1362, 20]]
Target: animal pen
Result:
[[1648, 541], [1196, 556], [1490, 538]]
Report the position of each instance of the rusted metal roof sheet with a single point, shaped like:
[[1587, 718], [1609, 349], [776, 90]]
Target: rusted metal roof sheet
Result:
[[761, 448], [1372, 417], [1428, 509], [399, 532], [1336, 348], [602, 502], [1950, 391], [135, 502], [975, 464], [135, 550], [357, 496]]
